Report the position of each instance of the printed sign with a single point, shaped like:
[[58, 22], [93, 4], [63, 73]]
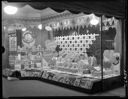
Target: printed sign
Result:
[[12, 42], [50, 45]]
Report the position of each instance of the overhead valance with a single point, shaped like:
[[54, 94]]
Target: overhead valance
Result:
[[110, 8]]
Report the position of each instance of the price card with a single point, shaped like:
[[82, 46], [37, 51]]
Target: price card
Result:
[[17, 66], [38, 65], [45, 64]]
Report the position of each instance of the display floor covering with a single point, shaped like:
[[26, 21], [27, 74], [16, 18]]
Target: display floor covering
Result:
[[24, 88]]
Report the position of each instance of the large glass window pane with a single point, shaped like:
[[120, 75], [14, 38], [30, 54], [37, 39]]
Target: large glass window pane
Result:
[[111, 46], [74, 46]]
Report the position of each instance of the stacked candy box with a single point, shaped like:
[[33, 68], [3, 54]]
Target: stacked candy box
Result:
[[6, 72], [31, 73], [65, 64], [52, 63], [71, 62]]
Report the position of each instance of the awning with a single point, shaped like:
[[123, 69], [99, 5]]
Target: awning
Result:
[[116, 8]]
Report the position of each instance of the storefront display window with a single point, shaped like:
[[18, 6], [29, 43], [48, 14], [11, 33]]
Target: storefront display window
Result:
[[79, 50], [73, 46], [76, 43], [111, 39]]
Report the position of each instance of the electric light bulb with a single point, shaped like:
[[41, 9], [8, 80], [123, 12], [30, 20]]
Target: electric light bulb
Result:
[[23, 29], [40, 26], [48, 28], [94, 21], [4, 27], [10, 10]]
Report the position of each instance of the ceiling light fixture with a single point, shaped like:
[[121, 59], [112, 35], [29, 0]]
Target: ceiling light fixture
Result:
[[10, 10], [24, 29], [48, 28], [40, 26], [4, 27], [94, 21]]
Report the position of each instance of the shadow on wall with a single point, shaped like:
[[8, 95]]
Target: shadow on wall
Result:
[[4, 63], [2, 49]]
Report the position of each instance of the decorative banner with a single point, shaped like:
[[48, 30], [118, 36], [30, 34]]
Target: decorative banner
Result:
[[108, 22], [28, 39], [66, 23], [55, 25], [80, 21], [83, 20]]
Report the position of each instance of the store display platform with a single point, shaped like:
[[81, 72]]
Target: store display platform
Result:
[[82, 84]]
